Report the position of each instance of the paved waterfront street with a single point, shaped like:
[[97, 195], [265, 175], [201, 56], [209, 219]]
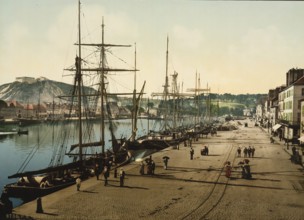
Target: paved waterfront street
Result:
[[191, 189]]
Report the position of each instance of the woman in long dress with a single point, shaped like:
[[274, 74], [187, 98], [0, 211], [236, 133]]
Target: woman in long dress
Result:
[[228, 169]]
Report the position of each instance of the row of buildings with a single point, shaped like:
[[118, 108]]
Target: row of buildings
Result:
[[283, 110], [15, 109]]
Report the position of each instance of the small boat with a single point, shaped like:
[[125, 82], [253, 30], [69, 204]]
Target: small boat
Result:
[[31, 185], [20, 132], [7, 131]]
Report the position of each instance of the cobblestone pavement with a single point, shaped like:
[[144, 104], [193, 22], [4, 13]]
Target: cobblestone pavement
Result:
[[191, 189]]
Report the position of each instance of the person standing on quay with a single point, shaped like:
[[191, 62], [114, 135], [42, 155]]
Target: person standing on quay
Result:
[[252, 151], [142, 168], [249, 151], [122, 177], [247, 169], [106, 174], [207, 150], [165, 160], [245, 151], [191, 153], [239, 151], [152, 167], [228, 169], [96, 171], [78, 183]]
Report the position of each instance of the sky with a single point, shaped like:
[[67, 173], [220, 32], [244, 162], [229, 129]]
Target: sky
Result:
[[236, 47]]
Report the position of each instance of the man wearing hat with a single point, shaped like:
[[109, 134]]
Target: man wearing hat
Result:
[[122, 177]]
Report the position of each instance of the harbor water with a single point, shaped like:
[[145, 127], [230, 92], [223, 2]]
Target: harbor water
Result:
[[35, 150]]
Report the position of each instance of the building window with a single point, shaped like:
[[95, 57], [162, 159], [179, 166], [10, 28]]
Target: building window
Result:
[[302, 91]]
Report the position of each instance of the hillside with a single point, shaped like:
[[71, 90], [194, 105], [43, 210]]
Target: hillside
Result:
[[30, 92]]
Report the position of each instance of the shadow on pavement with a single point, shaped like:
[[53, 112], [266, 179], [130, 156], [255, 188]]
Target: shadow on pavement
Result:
[[129, 187], [87, 191]]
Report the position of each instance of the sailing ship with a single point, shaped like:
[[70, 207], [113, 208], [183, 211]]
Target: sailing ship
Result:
[[58, 175], [167, 135]]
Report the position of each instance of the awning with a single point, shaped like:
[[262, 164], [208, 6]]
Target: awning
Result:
[[276, 127], [301, 139]]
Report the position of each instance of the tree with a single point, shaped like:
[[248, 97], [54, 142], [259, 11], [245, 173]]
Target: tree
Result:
[[3, 104], [150, 104]]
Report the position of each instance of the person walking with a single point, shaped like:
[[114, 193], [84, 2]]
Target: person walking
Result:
[[165, 160], [78, 183], [142, 168], [245, 151], [191, 153], [252, 151], [228, 169], [122, 175], [239, 151], [249, 151], [149, 167], [96, 171], [247, 169], [207, 150], [106, 174], [152, 167]]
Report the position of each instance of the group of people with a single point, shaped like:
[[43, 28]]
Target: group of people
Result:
[[246, 171], [248, 152], [150, 164], [106, 174], [205, 151]]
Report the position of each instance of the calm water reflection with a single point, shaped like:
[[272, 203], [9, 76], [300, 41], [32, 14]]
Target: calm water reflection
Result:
[[44, 138]]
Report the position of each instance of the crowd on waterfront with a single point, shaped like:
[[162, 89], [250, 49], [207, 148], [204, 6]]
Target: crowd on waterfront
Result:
[[147, 166]]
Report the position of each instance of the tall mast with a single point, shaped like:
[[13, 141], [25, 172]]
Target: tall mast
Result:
[[199, 99], [196, 93], [148, 126], [78, 76], [175, 98], [166, 86], [102, 90], [103, 70], [134, 112]]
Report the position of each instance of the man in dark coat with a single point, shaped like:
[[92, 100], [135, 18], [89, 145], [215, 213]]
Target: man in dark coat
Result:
[[191, 153], [122, 177], [106, 174]]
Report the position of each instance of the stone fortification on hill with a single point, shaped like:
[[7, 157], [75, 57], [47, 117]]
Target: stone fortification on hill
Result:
[[30, 90]]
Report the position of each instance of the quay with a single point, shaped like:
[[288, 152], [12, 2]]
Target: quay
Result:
[[190, 189]]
